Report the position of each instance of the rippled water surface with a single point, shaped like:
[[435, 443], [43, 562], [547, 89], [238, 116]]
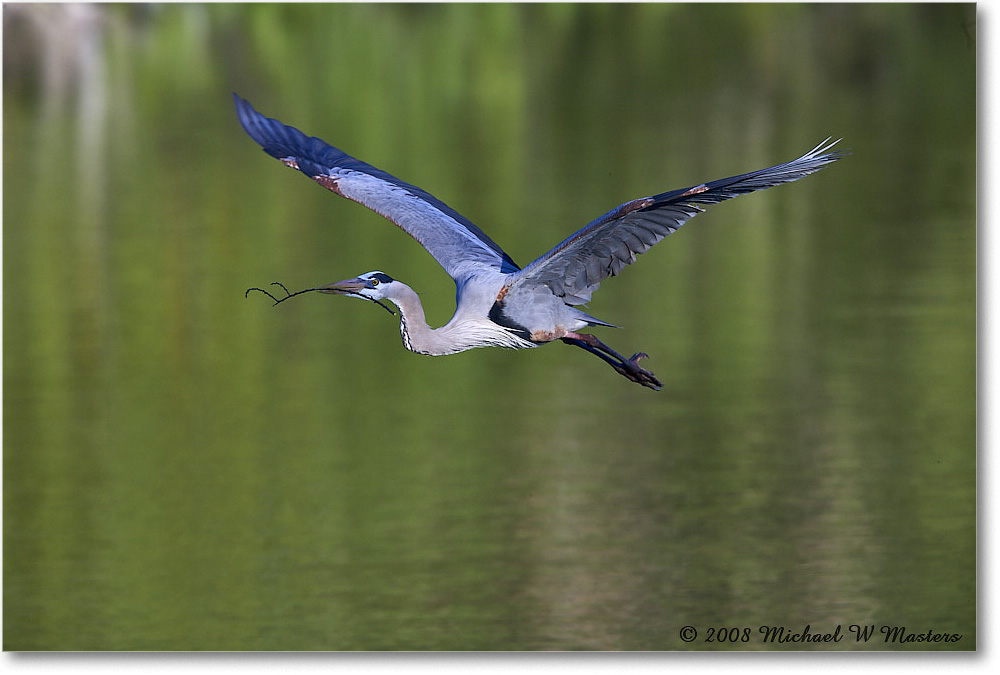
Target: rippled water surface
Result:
[[188, 469]]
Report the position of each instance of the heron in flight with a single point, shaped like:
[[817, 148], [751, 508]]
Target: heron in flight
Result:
[[499, 304]]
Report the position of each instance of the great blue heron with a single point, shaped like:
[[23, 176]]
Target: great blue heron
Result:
[[499, 304]]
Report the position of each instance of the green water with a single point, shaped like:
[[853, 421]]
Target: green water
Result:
[[188, 469]]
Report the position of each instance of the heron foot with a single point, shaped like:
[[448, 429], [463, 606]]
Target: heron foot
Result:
[[628, 368]]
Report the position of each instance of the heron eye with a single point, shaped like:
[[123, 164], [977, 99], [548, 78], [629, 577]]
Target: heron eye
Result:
[[374, 281]]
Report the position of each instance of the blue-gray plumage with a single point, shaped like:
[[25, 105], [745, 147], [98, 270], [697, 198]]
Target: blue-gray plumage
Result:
[[499, 304]]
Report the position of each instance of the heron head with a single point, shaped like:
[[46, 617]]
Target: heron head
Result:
[[371, 285]]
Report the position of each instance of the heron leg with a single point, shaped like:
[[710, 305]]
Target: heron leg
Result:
[[626, 367]]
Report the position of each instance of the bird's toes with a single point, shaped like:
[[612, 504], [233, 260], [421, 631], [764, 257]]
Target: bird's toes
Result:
[[647, 379], [631, 370], [640, 375]]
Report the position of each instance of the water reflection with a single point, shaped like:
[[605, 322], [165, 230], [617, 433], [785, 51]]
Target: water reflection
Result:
[[186, 469]]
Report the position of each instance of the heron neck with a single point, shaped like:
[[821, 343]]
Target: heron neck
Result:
[[417, 335], [459, 334]]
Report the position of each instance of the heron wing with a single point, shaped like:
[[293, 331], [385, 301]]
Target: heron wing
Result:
[[574, 269], [460, 247]]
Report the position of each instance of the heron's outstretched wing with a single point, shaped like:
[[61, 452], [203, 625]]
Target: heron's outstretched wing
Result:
[[574, 268], [459, 246]]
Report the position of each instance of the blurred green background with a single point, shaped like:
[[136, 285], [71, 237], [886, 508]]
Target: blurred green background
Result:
[[188, 469]]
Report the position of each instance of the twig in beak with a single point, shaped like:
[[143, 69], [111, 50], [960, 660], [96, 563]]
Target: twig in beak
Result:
[[289, 294]]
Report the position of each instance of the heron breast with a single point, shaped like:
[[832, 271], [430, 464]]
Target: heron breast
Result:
[[498, 316], [534, 313]]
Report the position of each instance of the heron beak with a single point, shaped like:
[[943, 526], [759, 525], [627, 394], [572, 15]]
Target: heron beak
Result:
[[346, 287]]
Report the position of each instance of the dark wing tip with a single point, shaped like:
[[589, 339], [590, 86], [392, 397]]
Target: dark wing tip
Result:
[[255, 124], [276, 138], [248, 117], [716, 191], [823, 153]]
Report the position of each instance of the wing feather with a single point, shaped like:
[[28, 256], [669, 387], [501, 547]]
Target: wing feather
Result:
[[577, 265], [460, 247]]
